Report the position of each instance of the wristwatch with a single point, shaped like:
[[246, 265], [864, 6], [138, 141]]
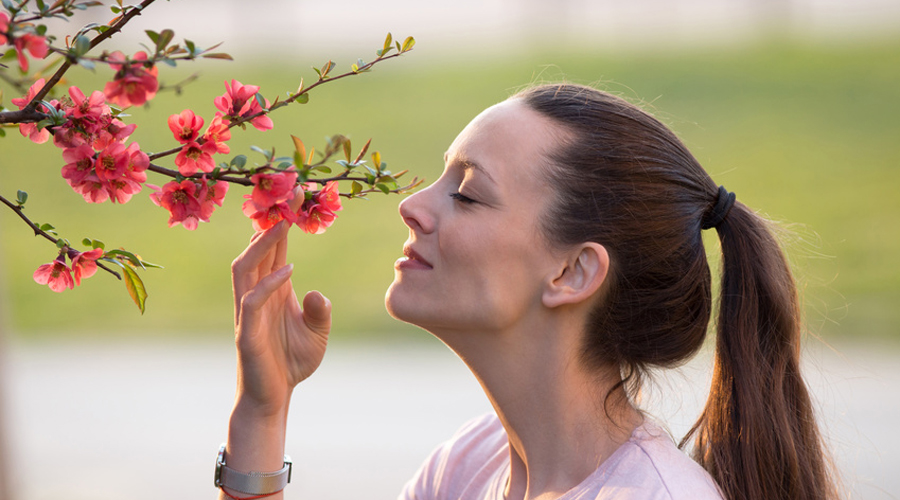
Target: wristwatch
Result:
[[254, 483]]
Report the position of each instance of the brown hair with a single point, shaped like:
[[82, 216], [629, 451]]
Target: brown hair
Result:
[[624, 180]]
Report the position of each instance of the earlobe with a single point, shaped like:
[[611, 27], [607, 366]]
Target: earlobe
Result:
[[583, 275]]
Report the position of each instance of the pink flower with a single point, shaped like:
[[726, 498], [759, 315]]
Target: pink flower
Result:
[[314, 218], [133, 83], [329, 197], [30, 130], [84, 264], [79, 164], [180, 199], [112, 162], [271, 189], [116, 131], [92, 189], [210, 196], [239, 101], [186, 126], [267, 217], [34, 44], [56, 274], [194, 157], [93, 107], [218, 133], [4, 27]]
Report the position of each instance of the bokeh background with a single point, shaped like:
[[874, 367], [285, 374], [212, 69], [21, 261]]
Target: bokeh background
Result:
[[794, 105]]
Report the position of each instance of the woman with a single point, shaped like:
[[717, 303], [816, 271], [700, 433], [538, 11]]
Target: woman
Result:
[[560, 256]]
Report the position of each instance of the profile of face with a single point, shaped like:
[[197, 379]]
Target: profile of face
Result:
[[476, 258]]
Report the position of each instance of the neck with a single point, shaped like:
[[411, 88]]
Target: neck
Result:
[[560, 424]]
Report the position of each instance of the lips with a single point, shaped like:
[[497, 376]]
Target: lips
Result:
[[414, 256]]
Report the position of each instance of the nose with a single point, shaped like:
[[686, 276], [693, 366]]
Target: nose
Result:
[[414, 212]]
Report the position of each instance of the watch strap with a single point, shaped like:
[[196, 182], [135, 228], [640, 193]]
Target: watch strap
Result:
[[255, 483]]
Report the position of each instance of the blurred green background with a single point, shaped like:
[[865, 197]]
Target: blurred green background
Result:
[[807, 133]]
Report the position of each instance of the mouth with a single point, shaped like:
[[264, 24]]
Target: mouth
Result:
[[413, 256]]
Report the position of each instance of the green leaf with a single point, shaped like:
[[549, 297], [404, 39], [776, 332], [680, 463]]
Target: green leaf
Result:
[[82, 45], [130, 257], [46, 227], [239, 161], [303, 98], [86, 242], [148, 265], [322, 168], [60, 243], [354, 68], [154, 36], [135, 287], [267, 154], [376, 160], [21, 197], [347, 150], [408, 43], [165, 36], [218, 55], [384, 189], [115, 9], [355, 188]]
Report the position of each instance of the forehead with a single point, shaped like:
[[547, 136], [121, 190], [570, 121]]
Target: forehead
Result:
[[504, 138]]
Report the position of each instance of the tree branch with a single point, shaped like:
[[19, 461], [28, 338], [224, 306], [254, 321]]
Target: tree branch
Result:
[[39, 232]]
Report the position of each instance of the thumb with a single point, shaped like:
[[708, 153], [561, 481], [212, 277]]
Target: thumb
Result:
[[317, 312]]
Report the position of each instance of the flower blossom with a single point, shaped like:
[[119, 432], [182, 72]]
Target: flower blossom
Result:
[[211, 194], [180, 199], [4, 27], [195, 157], [186, 126], [56, 275], [314, 217], [318, 212], [239, 101], [218, 133], [30, 130], [268, 217], [84, 264], [267, 203], [36, 45], [133, 83]]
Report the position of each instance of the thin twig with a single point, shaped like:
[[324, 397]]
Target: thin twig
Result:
[[39, 232]]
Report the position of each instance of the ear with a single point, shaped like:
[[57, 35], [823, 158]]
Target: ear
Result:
[[581, 278]]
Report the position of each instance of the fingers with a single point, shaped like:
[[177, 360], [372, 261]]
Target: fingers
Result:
[[317, 312], [297, 201], [254, 299], [246, 270]]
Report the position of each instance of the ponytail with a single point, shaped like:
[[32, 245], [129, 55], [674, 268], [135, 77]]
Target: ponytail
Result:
[[757, 435]]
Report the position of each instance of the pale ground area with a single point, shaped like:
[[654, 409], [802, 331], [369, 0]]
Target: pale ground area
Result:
[[143, 420]]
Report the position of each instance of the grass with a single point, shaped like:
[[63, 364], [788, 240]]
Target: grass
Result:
[[806, 134]]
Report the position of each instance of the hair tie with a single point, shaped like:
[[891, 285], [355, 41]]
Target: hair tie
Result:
[[714, 217]]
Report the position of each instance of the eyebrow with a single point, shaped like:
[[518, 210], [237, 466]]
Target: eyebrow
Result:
[[468, 164]]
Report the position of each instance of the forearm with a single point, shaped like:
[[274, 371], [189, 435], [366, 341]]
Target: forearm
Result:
[[255, 441]]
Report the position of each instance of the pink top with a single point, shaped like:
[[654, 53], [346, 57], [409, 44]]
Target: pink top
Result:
[[474, 465]]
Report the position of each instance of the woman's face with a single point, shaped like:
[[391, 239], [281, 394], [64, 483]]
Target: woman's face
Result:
[[476, 258]]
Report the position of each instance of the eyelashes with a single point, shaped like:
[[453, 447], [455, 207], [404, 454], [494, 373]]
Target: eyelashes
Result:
[[462, 198]]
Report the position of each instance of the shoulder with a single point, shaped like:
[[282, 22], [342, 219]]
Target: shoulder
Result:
[[471, 458], [650, 466]]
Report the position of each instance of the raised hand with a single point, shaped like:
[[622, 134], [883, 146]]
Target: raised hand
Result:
[[279, 344]]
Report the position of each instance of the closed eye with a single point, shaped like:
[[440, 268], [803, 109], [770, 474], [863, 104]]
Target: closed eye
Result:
[[462, 198]]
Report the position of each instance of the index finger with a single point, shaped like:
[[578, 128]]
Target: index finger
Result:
[[245, 268]]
